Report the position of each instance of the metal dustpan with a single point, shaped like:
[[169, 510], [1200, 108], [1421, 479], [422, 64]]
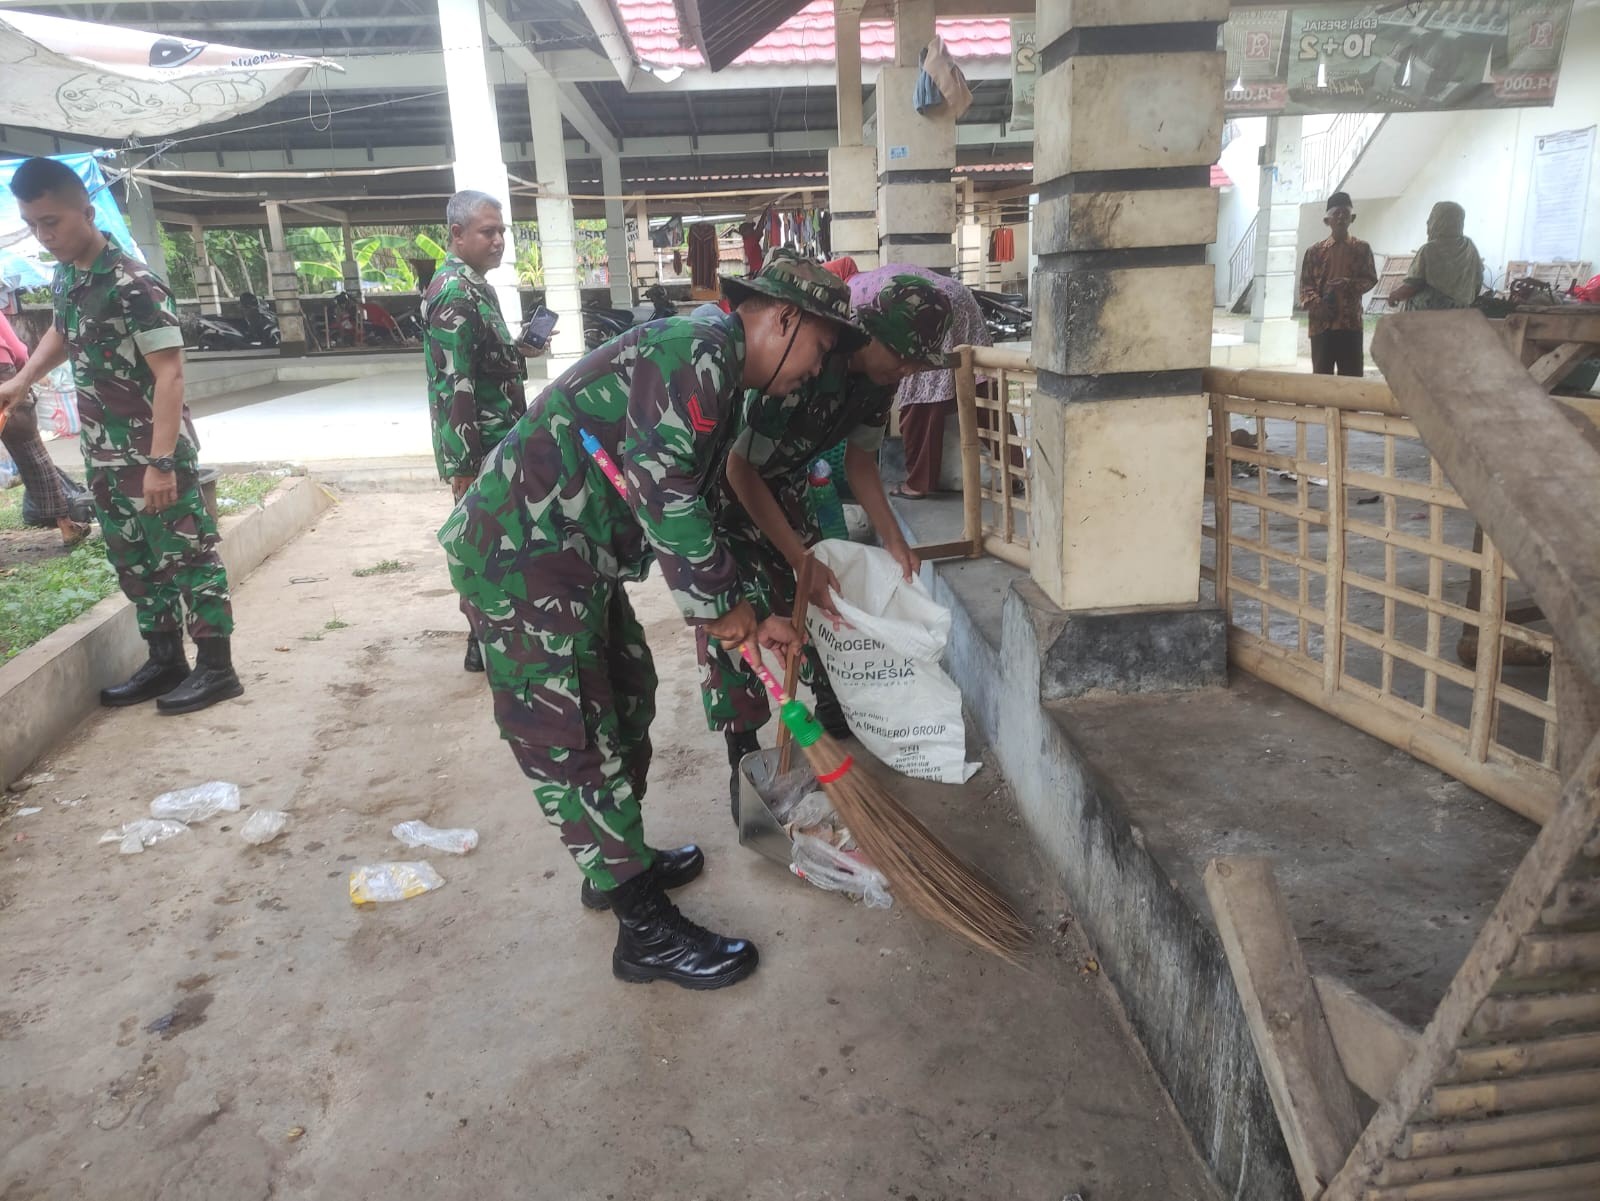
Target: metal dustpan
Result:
[[759, 827]]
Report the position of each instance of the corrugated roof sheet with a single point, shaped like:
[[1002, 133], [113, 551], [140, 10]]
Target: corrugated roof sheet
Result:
[[804, 39]]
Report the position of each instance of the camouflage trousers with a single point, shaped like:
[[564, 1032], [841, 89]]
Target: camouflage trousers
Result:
[[576, 709], [167, 563], [734, 698]]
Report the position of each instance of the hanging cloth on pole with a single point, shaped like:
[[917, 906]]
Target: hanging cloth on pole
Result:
[[703, 255], [1002, 245]]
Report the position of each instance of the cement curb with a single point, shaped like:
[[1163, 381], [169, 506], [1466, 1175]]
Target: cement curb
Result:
[[54, 684]]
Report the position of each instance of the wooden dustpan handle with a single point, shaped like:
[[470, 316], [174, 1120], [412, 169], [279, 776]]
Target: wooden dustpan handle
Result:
[[791, 675]]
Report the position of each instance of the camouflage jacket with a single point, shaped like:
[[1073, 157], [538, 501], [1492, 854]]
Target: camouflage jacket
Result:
[[542, 522], [474, 371], [783, 436], [112, 314]]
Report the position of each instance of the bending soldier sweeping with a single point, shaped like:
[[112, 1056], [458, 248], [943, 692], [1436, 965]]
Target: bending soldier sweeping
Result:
[[541, 545], [762, 513], [474, 369], [116, 320]]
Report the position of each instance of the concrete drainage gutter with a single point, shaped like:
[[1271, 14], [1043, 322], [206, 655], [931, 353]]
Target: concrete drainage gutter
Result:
[[54, 684], [1166, 962]]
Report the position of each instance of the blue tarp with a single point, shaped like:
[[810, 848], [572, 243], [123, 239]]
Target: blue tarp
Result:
[[23, 262]]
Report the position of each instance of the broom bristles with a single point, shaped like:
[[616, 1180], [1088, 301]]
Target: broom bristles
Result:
[[921, 871]]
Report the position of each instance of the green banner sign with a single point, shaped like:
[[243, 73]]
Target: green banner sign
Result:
[[1394, 58], [1024, 74]]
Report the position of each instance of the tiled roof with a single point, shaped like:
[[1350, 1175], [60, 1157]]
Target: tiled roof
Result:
[[804, 39]]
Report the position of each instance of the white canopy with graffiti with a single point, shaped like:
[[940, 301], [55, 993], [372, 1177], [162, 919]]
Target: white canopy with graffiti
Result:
[[104, 81]]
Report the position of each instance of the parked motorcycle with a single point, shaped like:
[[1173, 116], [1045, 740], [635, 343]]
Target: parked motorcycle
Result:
[[601, 324], [256, 328], [1005, 314]]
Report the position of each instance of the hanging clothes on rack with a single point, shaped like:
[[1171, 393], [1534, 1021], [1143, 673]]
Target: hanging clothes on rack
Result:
[[703, 255], [752, 246], [1002, 245]]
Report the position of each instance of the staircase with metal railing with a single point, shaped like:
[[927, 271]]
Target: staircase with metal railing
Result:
[[1242, 267], [1328, 155]]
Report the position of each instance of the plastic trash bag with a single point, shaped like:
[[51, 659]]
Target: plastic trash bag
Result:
[[392, 882], [421, 834], [788, 790], [822, 864], [144, 832], [262, 826], [814, 809], [883, 663], [197, 803]]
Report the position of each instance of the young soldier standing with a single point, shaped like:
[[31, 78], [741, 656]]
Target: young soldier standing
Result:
[[542, 543], [474, 370], [762, 511], [116, 319]]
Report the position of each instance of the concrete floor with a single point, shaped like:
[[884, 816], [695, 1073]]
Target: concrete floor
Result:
[[1389, 866], [210, 1020], [382, 416]]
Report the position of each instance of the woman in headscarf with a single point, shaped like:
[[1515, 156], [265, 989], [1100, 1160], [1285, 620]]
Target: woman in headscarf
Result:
[[1447, 273], [19, 432]]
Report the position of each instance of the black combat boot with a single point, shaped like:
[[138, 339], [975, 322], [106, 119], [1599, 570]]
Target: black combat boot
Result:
[[474, 659], [828, 711], [163, 671], [656, 942], [672, 869], [213, 679], [739, 745]]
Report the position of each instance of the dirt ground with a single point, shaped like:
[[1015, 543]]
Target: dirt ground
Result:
[[212, 1020]]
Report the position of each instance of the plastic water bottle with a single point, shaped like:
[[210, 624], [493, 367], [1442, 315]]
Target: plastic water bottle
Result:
[[825, 506]]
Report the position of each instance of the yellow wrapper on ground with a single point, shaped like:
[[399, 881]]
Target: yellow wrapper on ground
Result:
[[392, 882]]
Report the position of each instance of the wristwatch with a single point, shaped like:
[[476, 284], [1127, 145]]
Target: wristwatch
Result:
[[164, 463]]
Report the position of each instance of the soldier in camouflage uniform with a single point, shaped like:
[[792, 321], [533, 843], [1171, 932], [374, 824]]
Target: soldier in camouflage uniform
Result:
[[117, 321], [474, 368], [542, 543], [762, 513]]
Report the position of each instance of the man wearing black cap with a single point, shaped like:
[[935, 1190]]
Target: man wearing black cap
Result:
[[1334, 275]]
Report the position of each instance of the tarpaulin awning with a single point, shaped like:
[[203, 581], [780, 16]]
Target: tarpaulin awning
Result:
[[105, 81], [23, 262]]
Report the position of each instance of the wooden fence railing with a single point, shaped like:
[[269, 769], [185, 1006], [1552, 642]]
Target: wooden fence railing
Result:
[[994, 402], [1354, 577], [1495, 1097]]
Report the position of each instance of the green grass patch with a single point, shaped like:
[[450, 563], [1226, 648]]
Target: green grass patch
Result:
[[382, 567], [235, 492], [335, 624], [11, 508], [36, 599]]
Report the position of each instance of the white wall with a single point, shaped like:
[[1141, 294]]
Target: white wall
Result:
[[1241, 159]]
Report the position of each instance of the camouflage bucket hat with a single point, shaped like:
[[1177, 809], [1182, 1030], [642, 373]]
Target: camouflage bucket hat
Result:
[[911, 316], [803, 283]]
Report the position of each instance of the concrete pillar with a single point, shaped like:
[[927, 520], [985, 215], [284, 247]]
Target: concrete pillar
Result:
[[475, 131], [916, 153], [847, 69], [852, 166], [285, 286], [1122, 299], [558, 234], [205, 284], [350, 269], [1272, 298], [617, 258], [644, 251], [146, 229]]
